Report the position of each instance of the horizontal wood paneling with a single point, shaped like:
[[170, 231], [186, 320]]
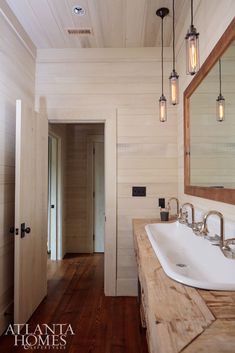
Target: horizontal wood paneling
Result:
[[129, 81]]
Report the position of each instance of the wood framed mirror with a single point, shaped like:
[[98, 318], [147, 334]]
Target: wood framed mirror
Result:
[[209, 145]]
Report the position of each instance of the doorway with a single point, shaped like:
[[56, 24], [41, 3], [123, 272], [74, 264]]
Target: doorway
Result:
[[108, 120]]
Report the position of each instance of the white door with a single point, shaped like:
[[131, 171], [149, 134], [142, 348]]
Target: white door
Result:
[[30, 282], [99, 209]]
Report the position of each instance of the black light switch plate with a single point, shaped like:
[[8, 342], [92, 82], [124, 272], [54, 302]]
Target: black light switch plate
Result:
[[161, 202], [139, 191]]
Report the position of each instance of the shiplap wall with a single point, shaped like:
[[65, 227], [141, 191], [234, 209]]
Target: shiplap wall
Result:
[[211, 27], [128, 80], [17, 71], [77, 227]]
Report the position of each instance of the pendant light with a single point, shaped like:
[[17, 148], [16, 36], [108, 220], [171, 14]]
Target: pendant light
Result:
[[162, 12], [174, 77], [192, 48], [220, 101]]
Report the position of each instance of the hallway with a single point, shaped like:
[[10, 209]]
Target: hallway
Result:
[[75, 296]]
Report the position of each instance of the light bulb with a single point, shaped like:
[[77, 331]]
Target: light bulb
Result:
[[192, 51], [220, 108], [162, 109], [174, 88]]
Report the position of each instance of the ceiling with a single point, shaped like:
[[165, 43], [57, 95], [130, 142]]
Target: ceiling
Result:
[[114, 23]]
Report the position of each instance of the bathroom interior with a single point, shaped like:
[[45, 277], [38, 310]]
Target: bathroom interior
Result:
[[134, 243]]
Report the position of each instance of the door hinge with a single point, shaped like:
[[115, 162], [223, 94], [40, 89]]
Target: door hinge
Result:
[[93, 194], [93, 150], [93, 236]]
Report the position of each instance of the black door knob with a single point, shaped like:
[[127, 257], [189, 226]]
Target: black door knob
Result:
[[24, 230]]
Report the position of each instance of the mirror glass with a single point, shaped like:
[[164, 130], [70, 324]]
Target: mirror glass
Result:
[[212, 142]]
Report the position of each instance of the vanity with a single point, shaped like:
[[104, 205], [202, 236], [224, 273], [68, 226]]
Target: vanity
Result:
[[180, 318]]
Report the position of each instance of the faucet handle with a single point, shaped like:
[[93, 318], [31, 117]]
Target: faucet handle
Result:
[[183, 216], [228, 243], [227, 249], [197, 228]]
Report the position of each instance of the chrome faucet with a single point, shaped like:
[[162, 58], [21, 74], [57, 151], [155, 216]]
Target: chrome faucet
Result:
[[177, 205], [205, 231], [183, 216]]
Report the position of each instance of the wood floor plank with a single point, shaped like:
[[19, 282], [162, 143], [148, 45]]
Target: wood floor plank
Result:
[[75, 296]]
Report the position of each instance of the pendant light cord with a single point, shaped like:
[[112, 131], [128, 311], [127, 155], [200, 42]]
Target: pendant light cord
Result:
[[191, 13], [162, 56], [173, 35], [220, 77]]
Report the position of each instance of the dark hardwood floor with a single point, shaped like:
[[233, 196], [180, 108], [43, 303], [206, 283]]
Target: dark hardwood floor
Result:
[[75, 296]]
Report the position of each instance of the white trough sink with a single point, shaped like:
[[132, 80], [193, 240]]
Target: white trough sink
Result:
[[190, 259]]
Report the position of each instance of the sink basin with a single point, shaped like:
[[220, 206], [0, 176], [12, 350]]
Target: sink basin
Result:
[[190, 259]]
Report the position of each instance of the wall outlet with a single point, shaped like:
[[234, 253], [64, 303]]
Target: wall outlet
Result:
[[139, 191]]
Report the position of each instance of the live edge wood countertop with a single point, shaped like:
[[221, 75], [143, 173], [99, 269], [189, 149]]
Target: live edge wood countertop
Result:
[[181, 318]]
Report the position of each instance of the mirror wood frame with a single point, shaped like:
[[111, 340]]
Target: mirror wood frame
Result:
[[216, 194]]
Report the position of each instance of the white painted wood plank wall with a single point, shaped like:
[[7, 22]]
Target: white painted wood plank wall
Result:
[[17, 71], [128, 80]]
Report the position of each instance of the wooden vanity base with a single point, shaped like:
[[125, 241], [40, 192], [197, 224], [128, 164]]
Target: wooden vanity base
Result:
[[180, 318]]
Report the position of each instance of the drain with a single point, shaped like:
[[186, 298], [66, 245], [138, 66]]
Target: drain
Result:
[[181, 265]]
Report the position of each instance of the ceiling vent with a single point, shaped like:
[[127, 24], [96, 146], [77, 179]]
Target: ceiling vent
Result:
[[80, 31]]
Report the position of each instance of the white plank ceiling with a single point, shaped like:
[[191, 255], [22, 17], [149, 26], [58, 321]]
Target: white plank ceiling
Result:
[[114, 23]]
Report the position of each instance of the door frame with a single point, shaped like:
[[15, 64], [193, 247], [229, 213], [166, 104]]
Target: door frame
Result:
[[59, 234], [109, 119], [90, 190]]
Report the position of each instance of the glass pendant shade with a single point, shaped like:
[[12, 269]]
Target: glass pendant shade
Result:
[[162, 109], [220, 108], [192, 51], [174, 88]]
